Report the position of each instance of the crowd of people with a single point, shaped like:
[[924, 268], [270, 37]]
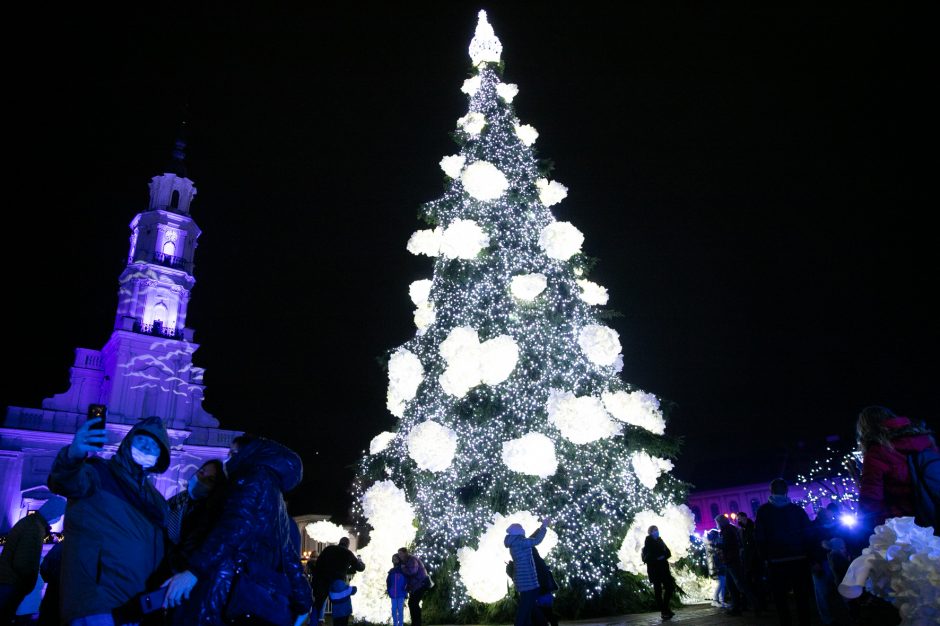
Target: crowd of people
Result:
[[224, 550]]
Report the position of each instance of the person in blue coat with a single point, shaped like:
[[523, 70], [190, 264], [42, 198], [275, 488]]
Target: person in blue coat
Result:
[[341, 594], [525, 576]]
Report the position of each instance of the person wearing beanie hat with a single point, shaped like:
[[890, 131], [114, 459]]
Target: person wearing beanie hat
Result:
[[525, 577]]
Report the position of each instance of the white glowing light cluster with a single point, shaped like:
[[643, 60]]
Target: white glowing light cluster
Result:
[[485, 46], [676, 524], [532, 454], [471, 85], [830, 479], [391, 517], [600, 344], [483, 570], [507, 91], [405, 374], [551, 192], [591, 292], [463, 239], [432, 446], [325, 532], [471, 363], [579, 419], [484, 181], [380, 442], [638, 408], [426, 242], [648, 468], [472, 123], [528, 286], [561, 240], [453, 165], [526, 134]]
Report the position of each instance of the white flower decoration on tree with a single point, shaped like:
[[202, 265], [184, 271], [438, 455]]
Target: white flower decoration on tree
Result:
[[471, 85], [432, 446], [405, 374], [453, 164], [427, 242], [527, 134], [484, 181], [420, 291], [592, 293], [483, 571], [580, 420], [551, 192], [532, 454], [472, 123], [470, 363], [648, 468], [380, 442], [424, 316], [637, 407], [507, 91], [561, 240], [325, 532], [485, 47], [676, 524], [528, 286], [391, 517], [463, 239], [600, 344]]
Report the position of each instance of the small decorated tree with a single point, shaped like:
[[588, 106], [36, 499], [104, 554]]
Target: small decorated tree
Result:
[[509, 401], [830, 478]]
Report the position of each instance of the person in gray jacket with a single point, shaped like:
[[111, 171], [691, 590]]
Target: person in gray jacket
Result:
[[525, 578], [114, 522]]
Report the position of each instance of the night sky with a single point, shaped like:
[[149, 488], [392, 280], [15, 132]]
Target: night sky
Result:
[[754, 182]]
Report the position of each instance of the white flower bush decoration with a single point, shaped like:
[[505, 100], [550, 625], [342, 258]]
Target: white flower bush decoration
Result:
[[419, 291], [676, 524], [901, 565], [472, 123], [698, 589], [484, 181], [637, 408], [391, 517], [600, 344], [580, 420], [483, 570], [325, 532], [380, 442], [470, 363], [432, 446], [405, 374], [471, 85], [527, 134], [463, 239], [507, 91], [648, 468], [453, 164], [424, 317], [591, 292], [551, 192], [532, 454], [527, 286], [561, 240], [427, 242]]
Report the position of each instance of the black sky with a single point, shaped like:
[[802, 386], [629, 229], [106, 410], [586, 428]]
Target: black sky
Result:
[[756, 183]]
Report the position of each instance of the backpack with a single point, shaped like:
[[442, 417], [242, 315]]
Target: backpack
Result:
[[924, 467]]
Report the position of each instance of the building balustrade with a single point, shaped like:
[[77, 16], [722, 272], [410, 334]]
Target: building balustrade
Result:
[[158, 329]]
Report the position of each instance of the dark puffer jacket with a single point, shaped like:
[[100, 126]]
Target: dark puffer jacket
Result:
[[114, 523], [253, 527], [885, 489]]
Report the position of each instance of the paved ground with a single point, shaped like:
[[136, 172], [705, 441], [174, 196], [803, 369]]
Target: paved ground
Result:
[[699, 615]]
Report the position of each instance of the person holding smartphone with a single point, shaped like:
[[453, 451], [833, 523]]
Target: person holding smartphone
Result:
[[114, 521]]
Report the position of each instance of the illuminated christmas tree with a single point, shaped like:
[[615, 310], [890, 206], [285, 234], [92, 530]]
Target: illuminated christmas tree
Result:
[[831, 478], [509, 398]]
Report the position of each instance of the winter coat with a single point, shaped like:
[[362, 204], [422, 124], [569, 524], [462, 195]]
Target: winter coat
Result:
[[656, 556], [114, 524], [341, 595], [415, 573], [395, 583], [334, 562], [730, 546], [254, 527], [782, 532], [885, 490], [520, 547], [19, 561]]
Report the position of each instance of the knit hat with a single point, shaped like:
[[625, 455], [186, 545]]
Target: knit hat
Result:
[[515, 529]]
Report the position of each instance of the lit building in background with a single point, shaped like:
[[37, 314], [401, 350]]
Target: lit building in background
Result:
[[144, 369]]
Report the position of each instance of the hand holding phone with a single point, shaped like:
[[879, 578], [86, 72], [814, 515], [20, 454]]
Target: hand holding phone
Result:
[[90, 436]]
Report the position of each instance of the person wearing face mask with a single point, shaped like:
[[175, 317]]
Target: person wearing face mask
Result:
[[193, 513], [115, 519], [656, 556]]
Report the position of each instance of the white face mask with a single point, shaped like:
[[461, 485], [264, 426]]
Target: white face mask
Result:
[[143, 459]]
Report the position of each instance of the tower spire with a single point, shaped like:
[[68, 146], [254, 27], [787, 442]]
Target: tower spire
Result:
[[178, 155]]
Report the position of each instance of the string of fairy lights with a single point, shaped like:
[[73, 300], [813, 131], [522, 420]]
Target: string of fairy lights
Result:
[[830, 479], [594, 493]]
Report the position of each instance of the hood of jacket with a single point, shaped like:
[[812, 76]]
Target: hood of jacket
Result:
[[152, 426], [508, 540], [905, 442], [281, 460]]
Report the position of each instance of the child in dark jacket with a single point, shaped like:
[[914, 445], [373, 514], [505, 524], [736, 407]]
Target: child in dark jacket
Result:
[[341, 599], [395, 585]]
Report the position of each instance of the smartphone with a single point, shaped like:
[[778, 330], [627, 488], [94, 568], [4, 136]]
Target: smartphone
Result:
[[99, 411], [153, 601]]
